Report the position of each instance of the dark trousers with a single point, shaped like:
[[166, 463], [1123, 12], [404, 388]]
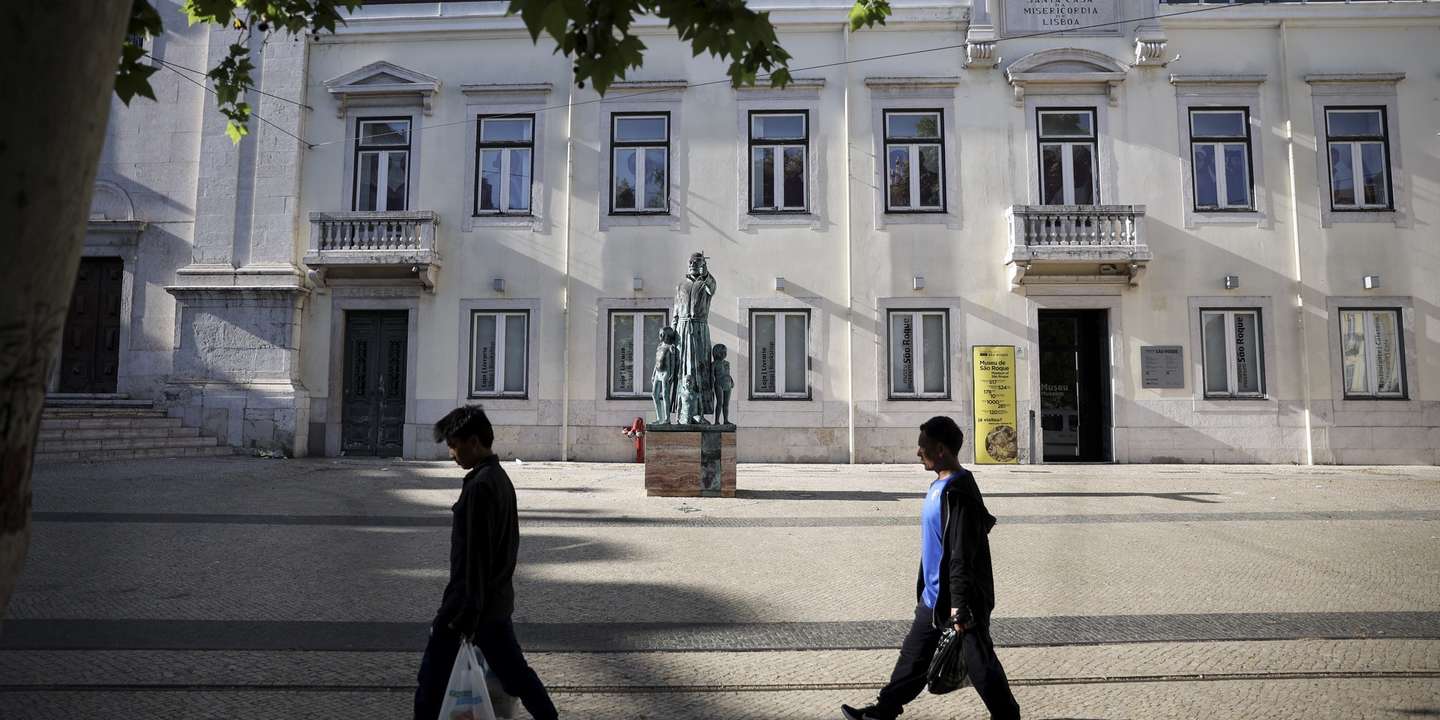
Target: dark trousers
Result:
[[496, 641], [985, 671]]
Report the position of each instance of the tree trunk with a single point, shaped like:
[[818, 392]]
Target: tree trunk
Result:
[[59, 59]]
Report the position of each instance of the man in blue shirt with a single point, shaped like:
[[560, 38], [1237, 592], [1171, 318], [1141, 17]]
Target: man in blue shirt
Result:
[[955, 586]]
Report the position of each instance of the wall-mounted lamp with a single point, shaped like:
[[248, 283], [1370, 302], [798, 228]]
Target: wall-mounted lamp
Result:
[[498, 284], [919, 282], [780, 284], [637, 284], [1372, 282], [1232, 282]]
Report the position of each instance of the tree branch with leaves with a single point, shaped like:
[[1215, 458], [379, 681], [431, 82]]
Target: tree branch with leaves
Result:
[[597, 35]]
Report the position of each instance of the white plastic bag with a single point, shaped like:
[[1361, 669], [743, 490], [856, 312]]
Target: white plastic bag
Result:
[[466, 697], [504, 703]]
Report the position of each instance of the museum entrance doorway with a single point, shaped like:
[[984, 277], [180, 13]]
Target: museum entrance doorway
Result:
[[373, 410], [1075, 397]]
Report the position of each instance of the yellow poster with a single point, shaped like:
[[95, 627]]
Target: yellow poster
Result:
[[997, 442]]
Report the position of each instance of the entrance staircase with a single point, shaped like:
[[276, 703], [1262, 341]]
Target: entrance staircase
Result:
[[87, 428]]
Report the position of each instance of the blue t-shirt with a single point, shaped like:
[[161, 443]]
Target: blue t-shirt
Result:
[[932, 546]]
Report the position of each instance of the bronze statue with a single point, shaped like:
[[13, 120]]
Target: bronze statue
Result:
[[691, 407], [691, 318], [722, 382], [666, 375]]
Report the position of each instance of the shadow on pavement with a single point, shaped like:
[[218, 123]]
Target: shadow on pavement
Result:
[[851, 495]]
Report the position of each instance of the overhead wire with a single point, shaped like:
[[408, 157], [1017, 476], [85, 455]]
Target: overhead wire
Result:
[[253, 114], [888, 56], [176, 68]]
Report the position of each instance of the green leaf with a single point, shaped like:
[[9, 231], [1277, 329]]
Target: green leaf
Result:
[[868, 13], [236, 132]]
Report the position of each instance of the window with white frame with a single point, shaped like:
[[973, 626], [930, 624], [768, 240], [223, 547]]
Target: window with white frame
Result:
[[382, 164], [1069, 173], [914, 161], [919, 354], [506, 157], [1372, 353], [778, 145], [1232, 353], [1359, 152], [779, 354], [634, 338], [640, 163], [1220, 158], [499, 352]]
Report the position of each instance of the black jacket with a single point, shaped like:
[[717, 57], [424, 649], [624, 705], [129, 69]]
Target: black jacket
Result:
[[967, 582], [484, 540]]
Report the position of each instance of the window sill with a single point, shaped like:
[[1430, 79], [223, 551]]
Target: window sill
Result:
[[1339, 217], [496, 220], [1240, 405], [1225, 217], [916, 217], [650, 219], [779, 219], [918, 398]]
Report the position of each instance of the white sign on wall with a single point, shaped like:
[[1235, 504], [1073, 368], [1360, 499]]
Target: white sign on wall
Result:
[[1083, 17]]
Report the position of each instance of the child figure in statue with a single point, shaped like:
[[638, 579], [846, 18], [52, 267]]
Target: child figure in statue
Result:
[[691, 411], [667, 375], [722, 383]]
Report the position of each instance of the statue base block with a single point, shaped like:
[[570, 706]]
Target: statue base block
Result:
[[690, 460]]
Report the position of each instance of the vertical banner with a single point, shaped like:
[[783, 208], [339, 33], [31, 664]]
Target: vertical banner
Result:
[[996, 440]]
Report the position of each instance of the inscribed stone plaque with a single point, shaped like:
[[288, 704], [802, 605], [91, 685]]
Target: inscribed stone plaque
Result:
[[1162, 366], [1083, 17]]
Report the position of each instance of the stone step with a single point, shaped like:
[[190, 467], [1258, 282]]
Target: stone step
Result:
[[106, 422], [88, 402], [110, 455], [102, 412], [125, 430], [141, 443], [87, 396]]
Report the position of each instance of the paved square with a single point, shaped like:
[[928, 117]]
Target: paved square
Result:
[[238, 587]]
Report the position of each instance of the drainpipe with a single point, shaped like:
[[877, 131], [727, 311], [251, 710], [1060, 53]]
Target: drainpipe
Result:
[[849, 248], [565, 291], [1295, 239]]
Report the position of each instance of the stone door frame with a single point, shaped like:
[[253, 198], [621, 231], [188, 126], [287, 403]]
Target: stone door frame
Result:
[[342, 300]]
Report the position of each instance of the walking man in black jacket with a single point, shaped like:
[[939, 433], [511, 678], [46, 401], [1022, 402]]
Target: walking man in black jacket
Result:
[[955, 586], [480, 597]]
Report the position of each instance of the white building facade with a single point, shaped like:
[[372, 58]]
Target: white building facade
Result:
[[1208, 231]]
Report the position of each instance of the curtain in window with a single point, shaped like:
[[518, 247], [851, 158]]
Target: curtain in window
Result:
[[765, 349]]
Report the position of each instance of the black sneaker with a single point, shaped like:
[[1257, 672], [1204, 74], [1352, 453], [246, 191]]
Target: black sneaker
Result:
[[869, 712]]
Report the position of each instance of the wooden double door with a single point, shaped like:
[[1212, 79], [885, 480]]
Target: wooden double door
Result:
[[373, 405], [90, 357]]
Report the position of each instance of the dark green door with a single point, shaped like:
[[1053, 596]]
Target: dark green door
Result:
[[373, 405]]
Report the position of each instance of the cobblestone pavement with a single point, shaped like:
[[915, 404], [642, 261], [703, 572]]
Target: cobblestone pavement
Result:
[[236, 587]]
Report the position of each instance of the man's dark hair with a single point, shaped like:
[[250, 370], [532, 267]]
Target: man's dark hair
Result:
[[943, 430], [463, 422]]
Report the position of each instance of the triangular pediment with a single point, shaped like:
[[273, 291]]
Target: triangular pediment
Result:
[[383, 82], [383, 73], [381, 78]]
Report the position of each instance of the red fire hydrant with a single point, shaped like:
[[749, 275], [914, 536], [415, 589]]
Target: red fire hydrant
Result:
[[636, 430]]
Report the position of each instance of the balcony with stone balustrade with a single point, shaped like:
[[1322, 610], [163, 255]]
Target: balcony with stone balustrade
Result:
[[1076, 244], [363, 246]]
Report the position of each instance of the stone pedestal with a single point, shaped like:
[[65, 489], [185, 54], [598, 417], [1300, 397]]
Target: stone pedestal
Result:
[[690, 460]]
